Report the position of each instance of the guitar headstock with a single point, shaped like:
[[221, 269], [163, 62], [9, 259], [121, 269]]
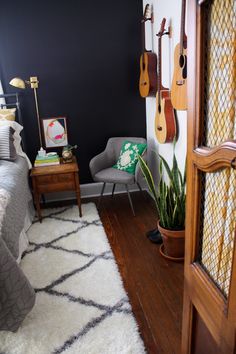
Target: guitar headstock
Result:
[[162, 28], [147, 15]]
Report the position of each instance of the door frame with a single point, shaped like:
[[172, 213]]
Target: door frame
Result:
[[200, 292]]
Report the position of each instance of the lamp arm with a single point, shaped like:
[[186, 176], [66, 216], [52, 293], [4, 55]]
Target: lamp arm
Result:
[[38, 118], [33, 83]]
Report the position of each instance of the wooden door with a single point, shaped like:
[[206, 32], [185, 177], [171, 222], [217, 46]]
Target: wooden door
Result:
[[209, 316]]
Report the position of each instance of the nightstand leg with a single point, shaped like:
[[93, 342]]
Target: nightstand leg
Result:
[[43, 199], [37, 203], [79, 203], [78, 193]]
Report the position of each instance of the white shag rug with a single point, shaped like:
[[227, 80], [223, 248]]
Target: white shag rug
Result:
[[81, 305]]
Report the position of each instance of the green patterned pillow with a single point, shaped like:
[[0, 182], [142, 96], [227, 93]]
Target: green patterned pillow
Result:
[[129, 156]]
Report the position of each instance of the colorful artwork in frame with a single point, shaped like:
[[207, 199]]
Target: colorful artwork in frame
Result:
[[55, 132]]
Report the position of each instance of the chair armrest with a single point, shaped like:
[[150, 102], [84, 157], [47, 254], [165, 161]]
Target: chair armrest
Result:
[[100, 162], [138, 171]]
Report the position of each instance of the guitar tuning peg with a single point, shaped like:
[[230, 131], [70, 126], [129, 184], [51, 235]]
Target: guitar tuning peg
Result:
[[160, 34]]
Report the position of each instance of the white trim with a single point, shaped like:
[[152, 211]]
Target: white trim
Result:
[[91, 190], [2, 99]]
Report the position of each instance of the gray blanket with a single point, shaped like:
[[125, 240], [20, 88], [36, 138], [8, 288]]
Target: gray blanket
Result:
[[17, 297]]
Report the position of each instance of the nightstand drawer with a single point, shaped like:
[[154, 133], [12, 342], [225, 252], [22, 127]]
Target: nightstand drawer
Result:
[[56, 187], [51, 179]]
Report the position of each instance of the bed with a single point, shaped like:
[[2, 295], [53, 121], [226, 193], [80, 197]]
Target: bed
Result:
[[17, 297]]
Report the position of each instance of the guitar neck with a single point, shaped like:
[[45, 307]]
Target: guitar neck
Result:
[[143, 36], [183, 38], [159, 85]]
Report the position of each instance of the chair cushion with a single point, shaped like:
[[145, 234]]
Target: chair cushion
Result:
[[129, 156], [115, 144], [112, 175]]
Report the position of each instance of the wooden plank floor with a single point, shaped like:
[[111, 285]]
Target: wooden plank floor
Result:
[[154, 285]]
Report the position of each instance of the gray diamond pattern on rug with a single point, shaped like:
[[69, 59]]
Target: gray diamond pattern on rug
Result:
[[81, 305]]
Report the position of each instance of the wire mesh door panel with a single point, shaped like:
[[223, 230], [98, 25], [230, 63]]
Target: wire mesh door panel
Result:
[[217, 226], [219, 72], [218, 189]]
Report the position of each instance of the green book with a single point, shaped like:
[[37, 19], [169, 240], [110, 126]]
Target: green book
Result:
[[38, 162], [44, 158]]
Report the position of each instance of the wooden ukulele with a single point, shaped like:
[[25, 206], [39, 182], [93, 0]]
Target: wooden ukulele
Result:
[[165, 124], [179, 82], [148, 63]]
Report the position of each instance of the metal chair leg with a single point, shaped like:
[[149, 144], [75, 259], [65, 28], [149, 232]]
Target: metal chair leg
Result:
[[100, 199], [139, 187], [113, 189], [130, 200], [140, 190]]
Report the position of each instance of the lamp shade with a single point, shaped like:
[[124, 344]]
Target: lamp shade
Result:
[[17, 82]]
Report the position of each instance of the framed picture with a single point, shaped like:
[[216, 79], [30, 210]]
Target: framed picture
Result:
[[54, 132]]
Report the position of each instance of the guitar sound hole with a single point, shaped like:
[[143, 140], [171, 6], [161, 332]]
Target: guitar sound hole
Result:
[[159, 128], [185, 69], [181, 60]]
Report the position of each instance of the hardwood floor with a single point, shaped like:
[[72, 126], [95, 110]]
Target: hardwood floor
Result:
[[154, 285]]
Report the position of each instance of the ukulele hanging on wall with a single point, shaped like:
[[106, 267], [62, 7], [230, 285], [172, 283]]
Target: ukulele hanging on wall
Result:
[[179, 82], [165, 123], [148, 62]]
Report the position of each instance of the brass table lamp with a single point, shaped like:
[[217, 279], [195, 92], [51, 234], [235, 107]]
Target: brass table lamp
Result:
[[34, 84]]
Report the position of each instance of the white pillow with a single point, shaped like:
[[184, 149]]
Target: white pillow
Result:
[[17, 138]]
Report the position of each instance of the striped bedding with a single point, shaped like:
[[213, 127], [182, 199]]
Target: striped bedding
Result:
[[7, 148]]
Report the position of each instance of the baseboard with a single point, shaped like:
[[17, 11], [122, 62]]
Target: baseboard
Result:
[[90, 190], [94, 189]]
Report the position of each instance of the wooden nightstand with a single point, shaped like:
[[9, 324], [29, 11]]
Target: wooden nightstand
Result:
[[63, 177]]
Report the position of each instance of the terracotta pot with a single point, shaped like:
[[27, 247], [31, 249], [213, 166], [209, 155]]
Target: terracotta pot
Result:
[[173, 242]]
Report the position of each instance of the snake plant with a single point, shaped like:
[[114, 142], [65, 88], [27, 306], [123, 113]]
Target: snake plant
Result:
[[169, 197]]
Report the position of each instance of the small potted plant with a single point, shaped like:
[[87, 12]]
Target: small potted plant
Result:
[[169, 200]]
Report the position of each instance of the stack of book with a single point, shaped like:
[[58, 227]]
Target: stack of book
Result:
[[49, 159]]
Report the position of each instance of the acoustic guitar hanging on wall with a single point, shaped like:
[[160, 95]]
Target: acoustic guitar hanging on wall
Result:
[[148, 62], [165, 123], [179, 82]]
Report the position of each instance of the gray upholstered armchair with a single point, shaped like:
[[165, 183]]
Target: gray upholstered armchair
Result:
[[102, 171]]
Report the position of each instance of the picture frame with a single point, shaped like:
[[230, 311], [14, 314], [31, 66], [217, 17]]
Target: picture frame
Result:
[[54, 131]]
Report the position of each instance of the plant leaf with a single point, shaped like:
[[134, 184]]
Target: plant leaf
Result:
[[169, 197], [149, 179], [175, 175], [167, 168]]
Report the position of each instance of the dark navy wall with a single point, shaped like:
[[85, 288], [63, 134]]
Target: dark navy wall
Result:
[[86, 57]]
